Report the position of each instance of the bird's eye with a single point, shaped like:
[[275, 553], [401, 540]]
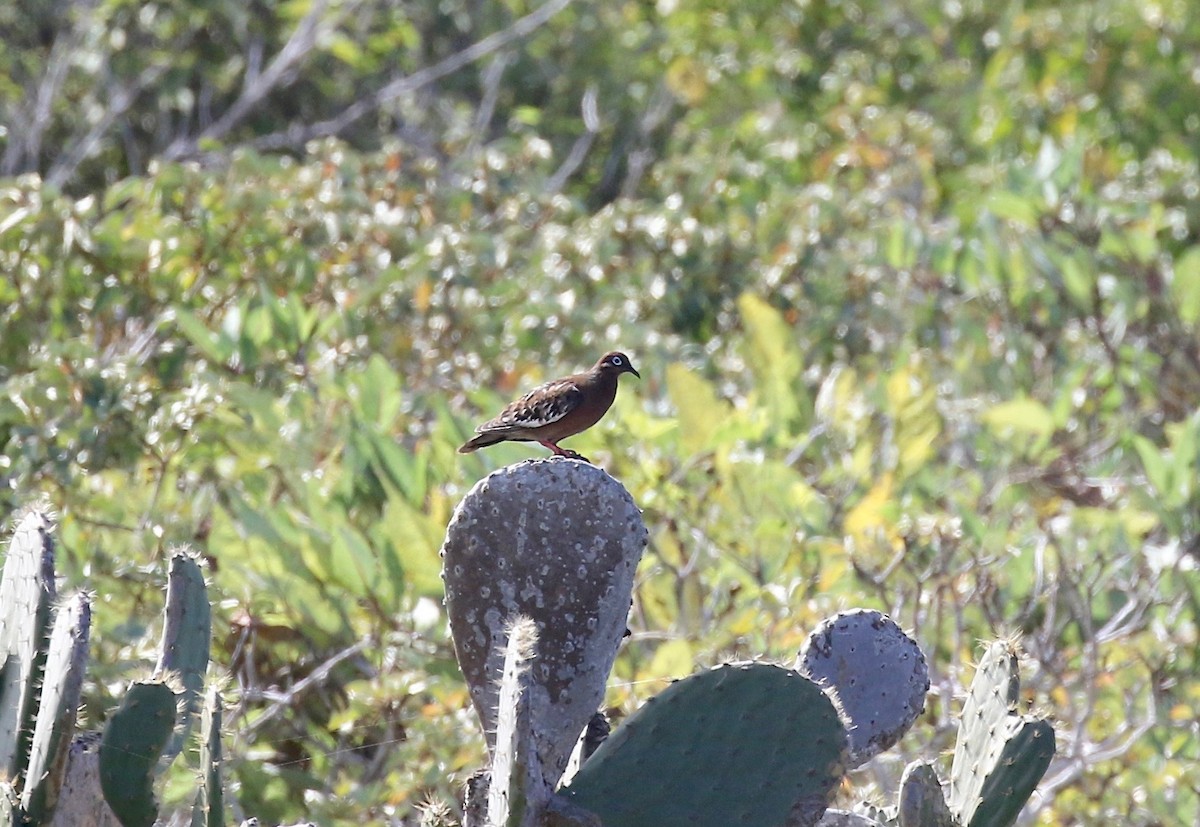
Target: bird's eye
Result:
[[617, 360]]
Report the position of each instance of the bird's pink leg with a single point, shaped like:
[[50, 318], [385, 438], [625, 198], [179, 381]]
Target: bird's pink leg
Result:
[[561, 452]]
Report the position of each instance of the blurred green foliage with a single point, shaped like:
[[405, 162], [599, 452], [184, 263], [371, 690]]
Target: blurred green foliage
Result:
[[915, 290]]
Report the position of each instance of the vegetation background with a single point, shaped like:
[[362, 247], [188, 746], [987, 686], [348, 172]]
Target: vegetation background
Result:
[[914, 288]]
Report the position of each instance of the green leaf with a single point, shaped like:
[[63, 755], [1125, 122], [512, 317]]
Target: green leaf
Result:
[[698, 407], [1185, 287], [215, 347], [1013, 207]]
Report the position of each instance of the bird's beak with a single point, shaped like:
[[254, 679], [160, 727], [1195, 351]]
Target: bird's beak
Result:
[[633, 370]]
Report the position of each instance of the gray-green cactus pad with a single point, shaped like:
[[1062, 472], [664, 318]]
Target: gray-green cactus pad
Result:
[[186, 638], [27, 592], [922, 802], [62, 683], [1000, 755], [877, 672], [557, 540], [739, 744]]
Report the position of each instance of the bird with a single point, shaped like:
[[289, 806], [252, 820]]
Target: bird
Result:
[[556, 410]]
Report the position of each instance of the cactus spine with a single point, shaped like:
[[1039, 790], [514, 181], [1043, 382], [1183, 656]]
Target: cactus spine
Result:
[[62, 683], [1000, 755], [208, 811], [187, 633], [27, 594], [513, 777]]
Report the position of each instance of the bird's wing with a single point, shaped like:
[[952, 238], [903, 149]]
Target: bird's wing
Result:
[[541, 406]]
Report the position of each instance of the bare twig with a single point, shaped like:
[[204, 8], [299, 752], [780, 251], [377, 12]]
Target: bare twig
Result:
[[491, 93], [279, 73], [119, 103], [283, 700], [26, 145], [1086, 753], [583, 144], [299, 134]]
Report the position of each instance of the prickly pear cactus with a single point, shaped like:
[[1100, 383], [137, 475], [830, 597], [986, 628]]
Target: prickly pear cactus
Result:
[[81, 802], [186, 637], [62, 682], [133, 742], [557, 540], [749, 743], [922, 802], [877, 672], [209, 807], [512, 793], [845, 818], [1001, 755], [27, 593], [885, 816]]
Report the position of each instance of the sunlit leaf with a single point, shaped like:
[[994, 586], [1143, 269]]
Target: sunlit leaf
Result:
[[873, 513], [700, 411], [1014, 207], [775, 361], [672, 659], [912, 399], [1020, 416], [1185, 287]]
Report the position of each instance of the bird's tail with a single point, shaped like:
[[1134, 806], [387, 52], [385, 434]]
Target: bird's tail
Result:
[[479, 441]]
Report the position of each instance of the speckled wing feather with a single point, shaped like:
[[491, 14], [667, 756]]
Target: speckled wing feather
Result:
[[541, 406]]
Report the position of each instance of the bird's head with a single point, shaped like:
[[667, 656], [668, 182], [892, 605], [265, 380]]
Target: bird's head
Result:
[[616, 363]]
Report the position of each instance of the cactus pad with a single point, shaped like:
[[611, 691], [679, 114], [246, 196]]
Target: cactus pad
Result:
[[747, 743], [922, 802], [186, 637], [877, 672], [26, 596], [557, 540], [511, 792], [1000, 755], [209, 808], [62, 683], [133, 741], [844, 818], [80, 801]]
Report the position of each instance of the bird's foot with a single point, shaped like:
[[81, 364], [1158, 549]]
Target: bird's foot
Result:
[[563, 452]]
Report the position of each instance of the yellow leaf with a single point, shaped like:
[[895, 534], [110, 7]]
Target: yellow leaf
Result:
[[672, 659], [912, 399], [422, 296], [833, 566], [1020, 417], [700, 411], [871, 514], [656, 597], [1182, 712], [685, 78], [775, 360]]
